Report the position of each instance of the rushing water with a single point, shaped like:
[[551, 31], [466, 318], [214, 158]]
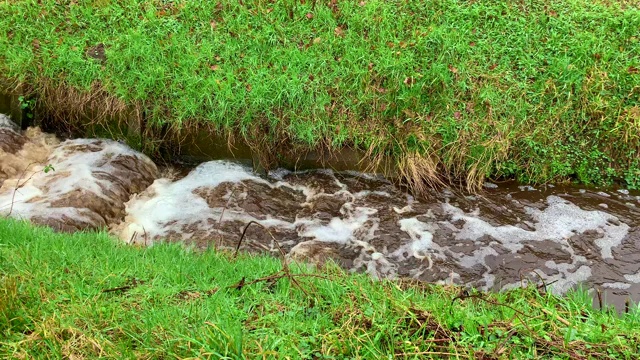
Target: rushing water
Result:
[[503, 237]]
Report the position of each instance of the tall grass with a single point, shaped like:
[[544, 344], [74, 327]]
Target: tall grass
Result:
[[456, 90]]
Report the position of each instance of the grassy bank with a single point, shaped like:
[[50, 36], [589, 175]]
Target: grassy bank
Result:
[[86, 295], [454, 90]]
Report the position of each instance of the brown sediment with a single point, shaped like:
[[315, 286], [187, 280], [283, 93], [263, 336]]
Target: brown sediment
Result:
[[320, 252], [10, 140], [20, 151]]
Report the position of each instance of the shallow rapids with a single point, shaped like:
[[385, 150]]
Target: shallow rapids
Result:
[[506, 236]]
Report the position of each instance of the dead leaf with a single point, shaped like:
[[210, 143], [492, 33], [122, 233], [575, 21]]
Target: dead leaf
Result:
[[453, 69], [338, 31], [214, 67], [493, 66], [362, 3], [309, 16], [317, 40], [472, 44], [213, 24], [633, 70], [457, 115], [409, 80]]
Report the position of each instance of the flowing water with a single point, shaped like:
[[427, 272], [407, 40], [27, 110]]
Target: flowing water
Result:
[[509, 234]]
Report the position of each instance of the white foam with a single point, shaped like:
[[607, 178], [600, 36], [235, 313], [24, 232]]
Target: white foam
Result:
[[421, 235], [634, 278], [5, 122], [168, 206], [558, 222], [617, 285], [166, 202], [489, 185], [339, 230], [74, 170]]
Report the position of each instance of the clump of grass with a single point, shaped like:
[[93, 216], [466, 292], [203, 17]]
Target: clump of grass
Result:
[[539, 91], [86, 295]]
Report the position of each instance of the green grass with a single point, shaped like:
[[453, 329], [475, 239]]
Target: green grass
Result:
[[86, 296], [536, 90]]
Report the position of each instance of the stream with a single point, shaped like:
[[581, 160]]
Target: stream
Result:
[[503, 237]]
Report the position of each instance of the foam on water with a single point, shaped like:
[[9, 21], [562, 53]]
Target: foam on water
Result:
[[168, 207], [338, 230], [20, 150], [5, 122], [421, 245], [338, 218], [85, 185], [558, 222], [165, 204]]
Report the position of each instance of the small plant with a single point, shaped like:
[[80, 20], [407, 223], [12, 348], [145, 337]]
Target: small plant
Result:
[[27, 105], [48, 168]]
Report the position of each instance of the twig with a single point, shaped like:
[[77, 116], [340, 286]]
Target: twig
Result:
[[565, 322], [285, 266], [433, 353], [121, 288], [18, 186], [235, 254], [277, 276], [219, 240], [626, 305], [465, 295]]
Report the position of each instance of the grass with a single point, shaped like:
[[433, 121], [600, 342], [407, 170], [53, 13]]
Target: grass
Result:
[[451, 90], [86, 296]]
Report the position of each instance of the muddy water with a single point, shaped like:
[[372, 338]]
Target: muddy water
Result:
[[507, 235]]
